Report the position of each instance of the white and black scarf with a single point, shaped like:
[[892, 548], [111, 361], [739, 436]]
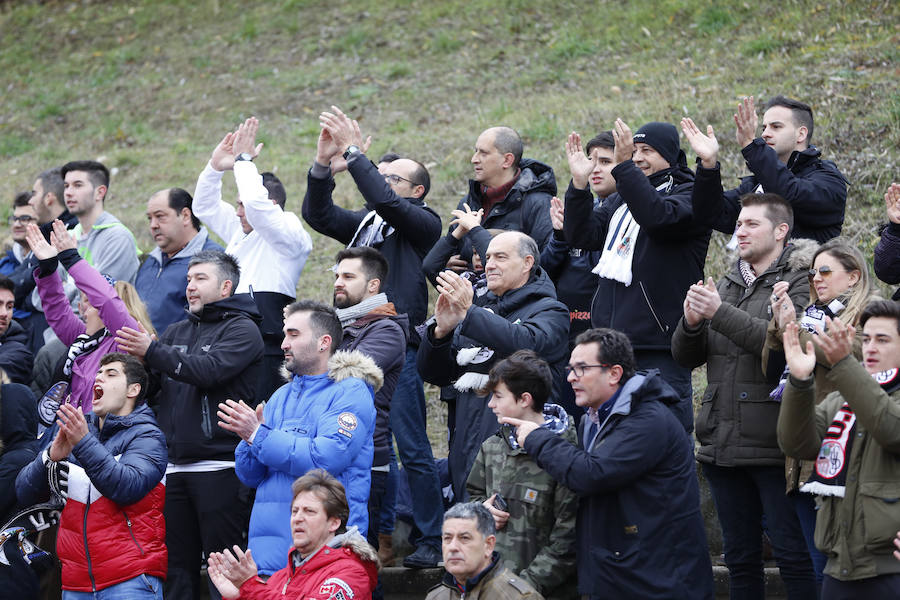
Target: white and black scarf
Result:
[[829, 477], [84, 344]]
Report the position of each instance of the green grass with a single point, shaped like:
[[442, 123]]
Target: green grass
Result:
[[153, 86]]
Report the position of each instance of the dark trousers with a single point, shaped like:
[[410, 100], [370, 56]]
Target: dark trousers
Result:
[[883, 587], [742, 495], [205, 512], [676, 376], [408, 425]]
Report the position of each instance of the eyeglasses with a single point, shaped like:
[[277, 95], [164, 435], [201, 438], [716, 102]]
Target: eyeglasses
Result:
[[825, 271], [395, 179], [579, 369], [26, 219]]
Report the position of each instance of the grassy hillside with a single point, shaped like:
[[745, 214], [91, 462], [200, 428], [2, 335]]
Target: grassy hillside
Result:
[[150, 87]]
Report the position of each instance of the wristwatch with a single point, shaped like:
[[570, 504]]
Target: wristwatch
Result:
[[244, 156], [351, 151]]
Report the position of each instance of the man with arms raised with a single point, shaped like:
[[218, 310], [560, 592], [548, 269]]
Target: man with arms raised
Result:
[[397, 222], [178, 236], [782, 161], [322, 418], [639, 532], [724, 327], [109, 467], [213, 355], [333, 562], [269, 242], [652, 249], [854, 437], [474, 568]]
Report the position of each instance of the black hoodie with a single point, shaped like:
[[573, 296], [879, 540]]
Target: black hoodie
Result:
[[198, 363], [15, 357]]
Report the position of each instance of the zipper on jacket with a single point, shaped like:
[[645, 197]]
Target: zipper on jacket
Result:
[[205, 422], [87, 554], [131, 531], [653, 312], [286, 583]]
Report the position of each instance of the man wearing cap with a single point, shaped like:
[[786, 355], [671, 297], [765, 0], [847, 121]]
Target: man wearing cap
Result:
[[652, 249]]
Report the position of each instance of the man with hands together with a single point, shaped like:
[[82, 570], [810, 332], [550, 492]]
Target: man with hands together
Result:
[[782, 161], [724, 327]]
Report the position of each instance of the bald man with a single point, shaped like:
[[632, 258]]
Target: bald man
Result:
[[395, 221]]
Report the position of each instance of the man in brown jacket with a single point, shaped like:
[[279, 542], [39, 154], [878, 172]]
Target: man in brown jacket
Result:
[[474, 570]]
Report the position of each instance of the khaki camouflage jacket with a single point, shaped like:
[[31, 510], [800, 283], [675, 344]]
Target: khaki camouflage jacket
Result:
[[538, 541]]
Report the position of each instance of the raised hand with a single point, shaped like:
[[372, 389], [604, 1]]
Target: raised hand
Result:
[[557, 213], [216, 567], [705, 146], [837, 342], [523, 428], [892, 203], [61, 238], [240, 418], [465, 220], [222, 158], [624, 149], [800, 363], [691, 316], [344, 130], [456, 264], [245, 138], [580, 166], [746, 121], [133, 342], [42, 250]]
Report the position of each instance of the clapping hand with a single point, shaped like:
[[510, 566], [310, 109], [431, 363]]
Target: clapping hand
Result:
[[746, 121], [580, 166], [706, 147]]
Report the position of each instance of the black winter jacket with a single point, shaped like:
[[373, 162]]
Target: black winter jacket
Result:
[[416, 229], [526, 208], [526, 318], [198, 363], [814, 187], [382, 337], [639, 529], [668, 256], [15, 357], [18, 441]]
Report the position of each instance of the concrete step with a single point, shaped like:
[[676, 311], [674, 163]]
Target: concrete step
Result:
[[400, 583]]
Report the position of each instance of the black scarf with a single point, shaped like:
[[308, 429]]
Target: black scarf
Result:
[[829, 478]]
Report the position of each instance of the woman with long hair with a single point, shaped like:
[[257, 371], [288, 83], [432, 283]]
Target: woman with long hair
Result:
[[839, 287], [105, 306]]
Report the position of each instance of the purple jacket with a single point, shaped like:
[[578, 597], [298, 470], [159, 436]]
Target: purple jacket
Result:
[[67, 326]]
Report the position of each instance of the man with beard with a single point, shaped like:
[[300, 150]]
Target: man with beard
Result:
[[372, 326], [323, 418]]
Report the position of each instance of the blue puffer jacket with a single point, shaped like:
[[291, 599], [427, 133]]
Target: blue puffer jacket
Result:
[[161, 281], [313, 422]]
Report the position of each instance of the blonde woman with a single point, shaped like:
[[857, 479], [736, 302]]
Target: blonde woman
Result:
[[839, 286]]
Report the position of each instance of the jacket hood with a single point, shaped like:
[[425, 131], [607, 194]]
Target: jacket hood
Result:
[[355, 364], [556, 419], [18, 415], [15, 333], [226, 308], [680, 174], [641, 386], [535, 176], [357, 543], [800, 258]]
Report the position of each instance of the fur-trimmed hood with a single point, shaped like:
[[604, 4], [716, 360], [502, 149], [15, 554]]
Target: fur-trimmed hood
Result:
[[801, 257], [355, 364], [353, 540]]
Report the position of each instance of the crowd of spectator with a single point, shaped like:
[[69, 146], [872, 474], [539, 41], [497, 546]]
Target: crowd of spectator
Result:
[[186, 408]]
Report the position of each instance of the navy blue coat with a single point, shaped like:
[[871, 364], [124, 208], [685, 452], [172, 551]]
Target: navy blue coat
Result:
[[526, 318], [815, 188], [18, 432], [669, 253], [639, 529]]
